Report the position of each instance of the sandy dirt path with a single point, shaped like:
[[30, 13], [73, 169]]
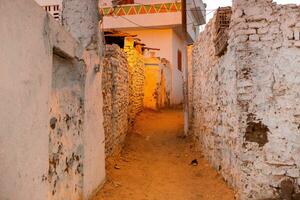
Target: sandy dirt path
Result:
[[155, 165]]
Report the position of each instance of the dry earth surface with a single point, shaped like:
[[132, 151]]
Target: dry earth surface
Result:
[[155, 164]]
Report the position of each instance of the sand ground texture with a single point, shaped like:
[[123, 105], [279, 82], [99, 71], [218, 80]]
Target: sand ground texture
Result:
[[155, 164]]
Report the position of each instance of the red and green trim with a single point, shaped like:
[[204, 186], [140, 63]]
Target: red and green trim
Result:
[[137, 9]]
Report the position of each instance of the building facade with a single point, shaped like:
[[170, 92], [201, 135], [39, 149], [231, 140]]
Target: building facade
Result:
[[163, 24]]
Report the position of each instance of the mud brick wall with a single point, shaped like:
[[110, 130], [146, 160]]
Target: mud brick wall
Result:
[[136, 71], [246, 102], [115, 98]]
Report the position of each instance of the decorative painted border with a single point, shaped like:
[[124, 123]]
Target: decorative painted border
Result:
[[139, 9]]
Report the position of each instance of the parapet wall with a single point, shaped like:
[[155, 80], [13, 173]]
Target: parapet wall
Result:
[[246, 104]]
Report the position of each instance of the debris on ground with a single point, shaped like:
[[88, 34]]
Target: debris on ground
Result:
[[194, 162], [117, 167]]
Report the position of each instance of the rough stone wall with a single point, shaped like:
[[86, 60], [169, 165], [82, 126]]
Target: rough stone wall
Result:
[[215, 123], [246, 102], [190, 106], [136, 71], [115, 98]]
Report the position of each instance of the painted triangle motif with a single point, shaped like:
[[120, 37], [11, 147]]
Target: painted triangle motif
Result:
[[143, 10], [178, 5], [173, 8], [157, 7], [147, 7], [132, 11], [126, 9], [101, 11], [121, 12], [106, 11], [168, 5], [163, 9], [152, 10], [137, 8]]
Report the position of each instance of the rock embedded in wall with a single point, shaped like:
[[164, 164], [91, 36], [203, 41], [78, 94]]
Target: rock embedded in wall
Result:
[[115, 98], [246, 105]]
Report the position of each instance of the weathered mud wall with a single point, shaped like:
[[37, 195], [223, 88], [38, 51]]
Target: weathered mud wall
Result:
[[81, 19], [246, 108], [136, 73], [155, 89], [115, 89], [48, 151], [152, 86], [66, 130]]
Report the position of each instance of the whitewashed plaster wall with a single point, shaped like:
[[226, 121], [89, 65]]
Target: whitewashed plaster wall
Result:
[[28, 155], [81, 19]]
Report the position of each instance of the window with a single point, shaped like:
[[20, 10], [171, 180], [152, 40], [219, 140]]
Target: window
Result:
[[222, 23], [179, 60], [54, 10]]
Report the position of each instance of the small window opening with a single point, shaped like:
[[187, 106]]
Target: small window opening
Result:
[[179, 60], [222, 25]]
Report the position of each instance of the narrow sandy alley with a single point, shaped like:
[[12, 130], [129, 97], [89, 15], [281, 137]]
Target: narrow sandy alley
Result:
[[155, 165]]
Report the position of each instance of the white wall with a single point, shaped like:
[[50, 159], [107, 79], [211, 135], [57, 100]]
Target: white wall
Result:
[[94, 139], [156, 38], [28, 37], [178, 44], [25, 82], [49, 2]]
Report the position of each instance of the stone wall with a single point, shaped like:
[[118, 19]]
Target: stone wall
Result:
[[136, 71], [123, 92], [246, 105], [215, 122], [115, 98], [189, 86]]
